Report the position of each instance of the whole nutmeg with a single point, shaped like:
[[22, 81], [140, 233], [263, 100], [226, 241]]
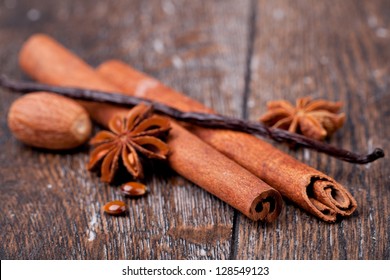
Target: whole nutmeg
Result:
[[50, 121]]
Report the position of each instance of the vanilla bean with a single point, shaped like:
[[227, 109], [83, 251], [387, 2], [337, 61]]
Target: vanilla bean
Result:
[[201, 119]]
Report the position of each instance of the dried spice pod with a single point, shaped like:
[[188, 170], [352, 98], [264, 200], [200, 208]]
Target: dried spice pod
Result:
[[115, 207], [49, 121], [130, 134], [194, 118], [315, 119], [133, 189]]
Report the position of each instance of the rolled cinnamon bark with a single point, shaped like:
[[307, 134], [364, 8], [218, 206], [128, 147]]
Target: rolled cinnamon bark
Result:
[[49, 62], [307, 187]]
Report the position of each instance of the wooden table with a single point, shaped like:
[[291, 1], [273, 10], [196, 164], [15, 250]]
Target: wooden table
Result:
[[234, 56]]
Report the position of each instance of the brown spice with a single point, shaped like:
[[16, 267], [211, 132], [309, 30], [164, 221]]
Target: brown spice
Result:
[[315, 119], [133, 189], [49, 121], [115, 207], [298, 182], [129, 135]]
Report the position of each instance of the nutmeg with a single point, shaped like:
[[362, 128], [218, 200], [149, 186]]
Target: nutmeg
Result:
[[50, 121]]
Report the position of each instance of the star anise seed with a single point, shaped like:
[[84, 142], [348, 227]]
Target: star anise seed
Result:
[[136, 132], [315, 119]]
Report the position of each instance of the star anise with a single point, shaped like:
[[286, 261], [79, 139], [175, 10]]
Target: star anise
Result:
[[129, 135], [315, 119]]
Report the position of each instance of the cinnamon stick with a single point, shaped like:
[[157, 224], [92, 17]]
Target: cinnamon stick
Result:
[[307, 187], [47, 61]]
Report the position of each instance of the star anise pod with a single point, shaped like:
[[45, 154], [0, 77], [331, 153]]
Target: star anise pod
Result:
[[129, 135], [315, 119]]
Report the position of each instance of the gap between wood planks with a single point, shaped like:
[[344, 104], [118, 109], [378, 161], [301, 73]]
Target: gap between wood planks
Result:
[[245, 97]]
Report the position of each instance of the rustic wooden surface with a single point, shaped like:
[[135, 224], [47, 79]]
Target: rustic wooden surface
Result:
[[234, 56]]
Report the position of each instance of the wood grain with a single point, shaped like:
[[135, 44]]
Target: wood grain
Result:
[[234, 57]]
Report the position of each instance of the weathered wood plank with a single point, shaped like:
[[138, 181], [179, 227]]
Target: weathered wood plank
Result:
[[336, 50], [51, 206]]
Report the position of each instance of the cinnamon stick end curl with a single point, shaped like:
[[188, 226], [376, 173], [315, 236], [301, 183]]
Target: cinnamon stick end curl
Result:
[[266, 207]]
